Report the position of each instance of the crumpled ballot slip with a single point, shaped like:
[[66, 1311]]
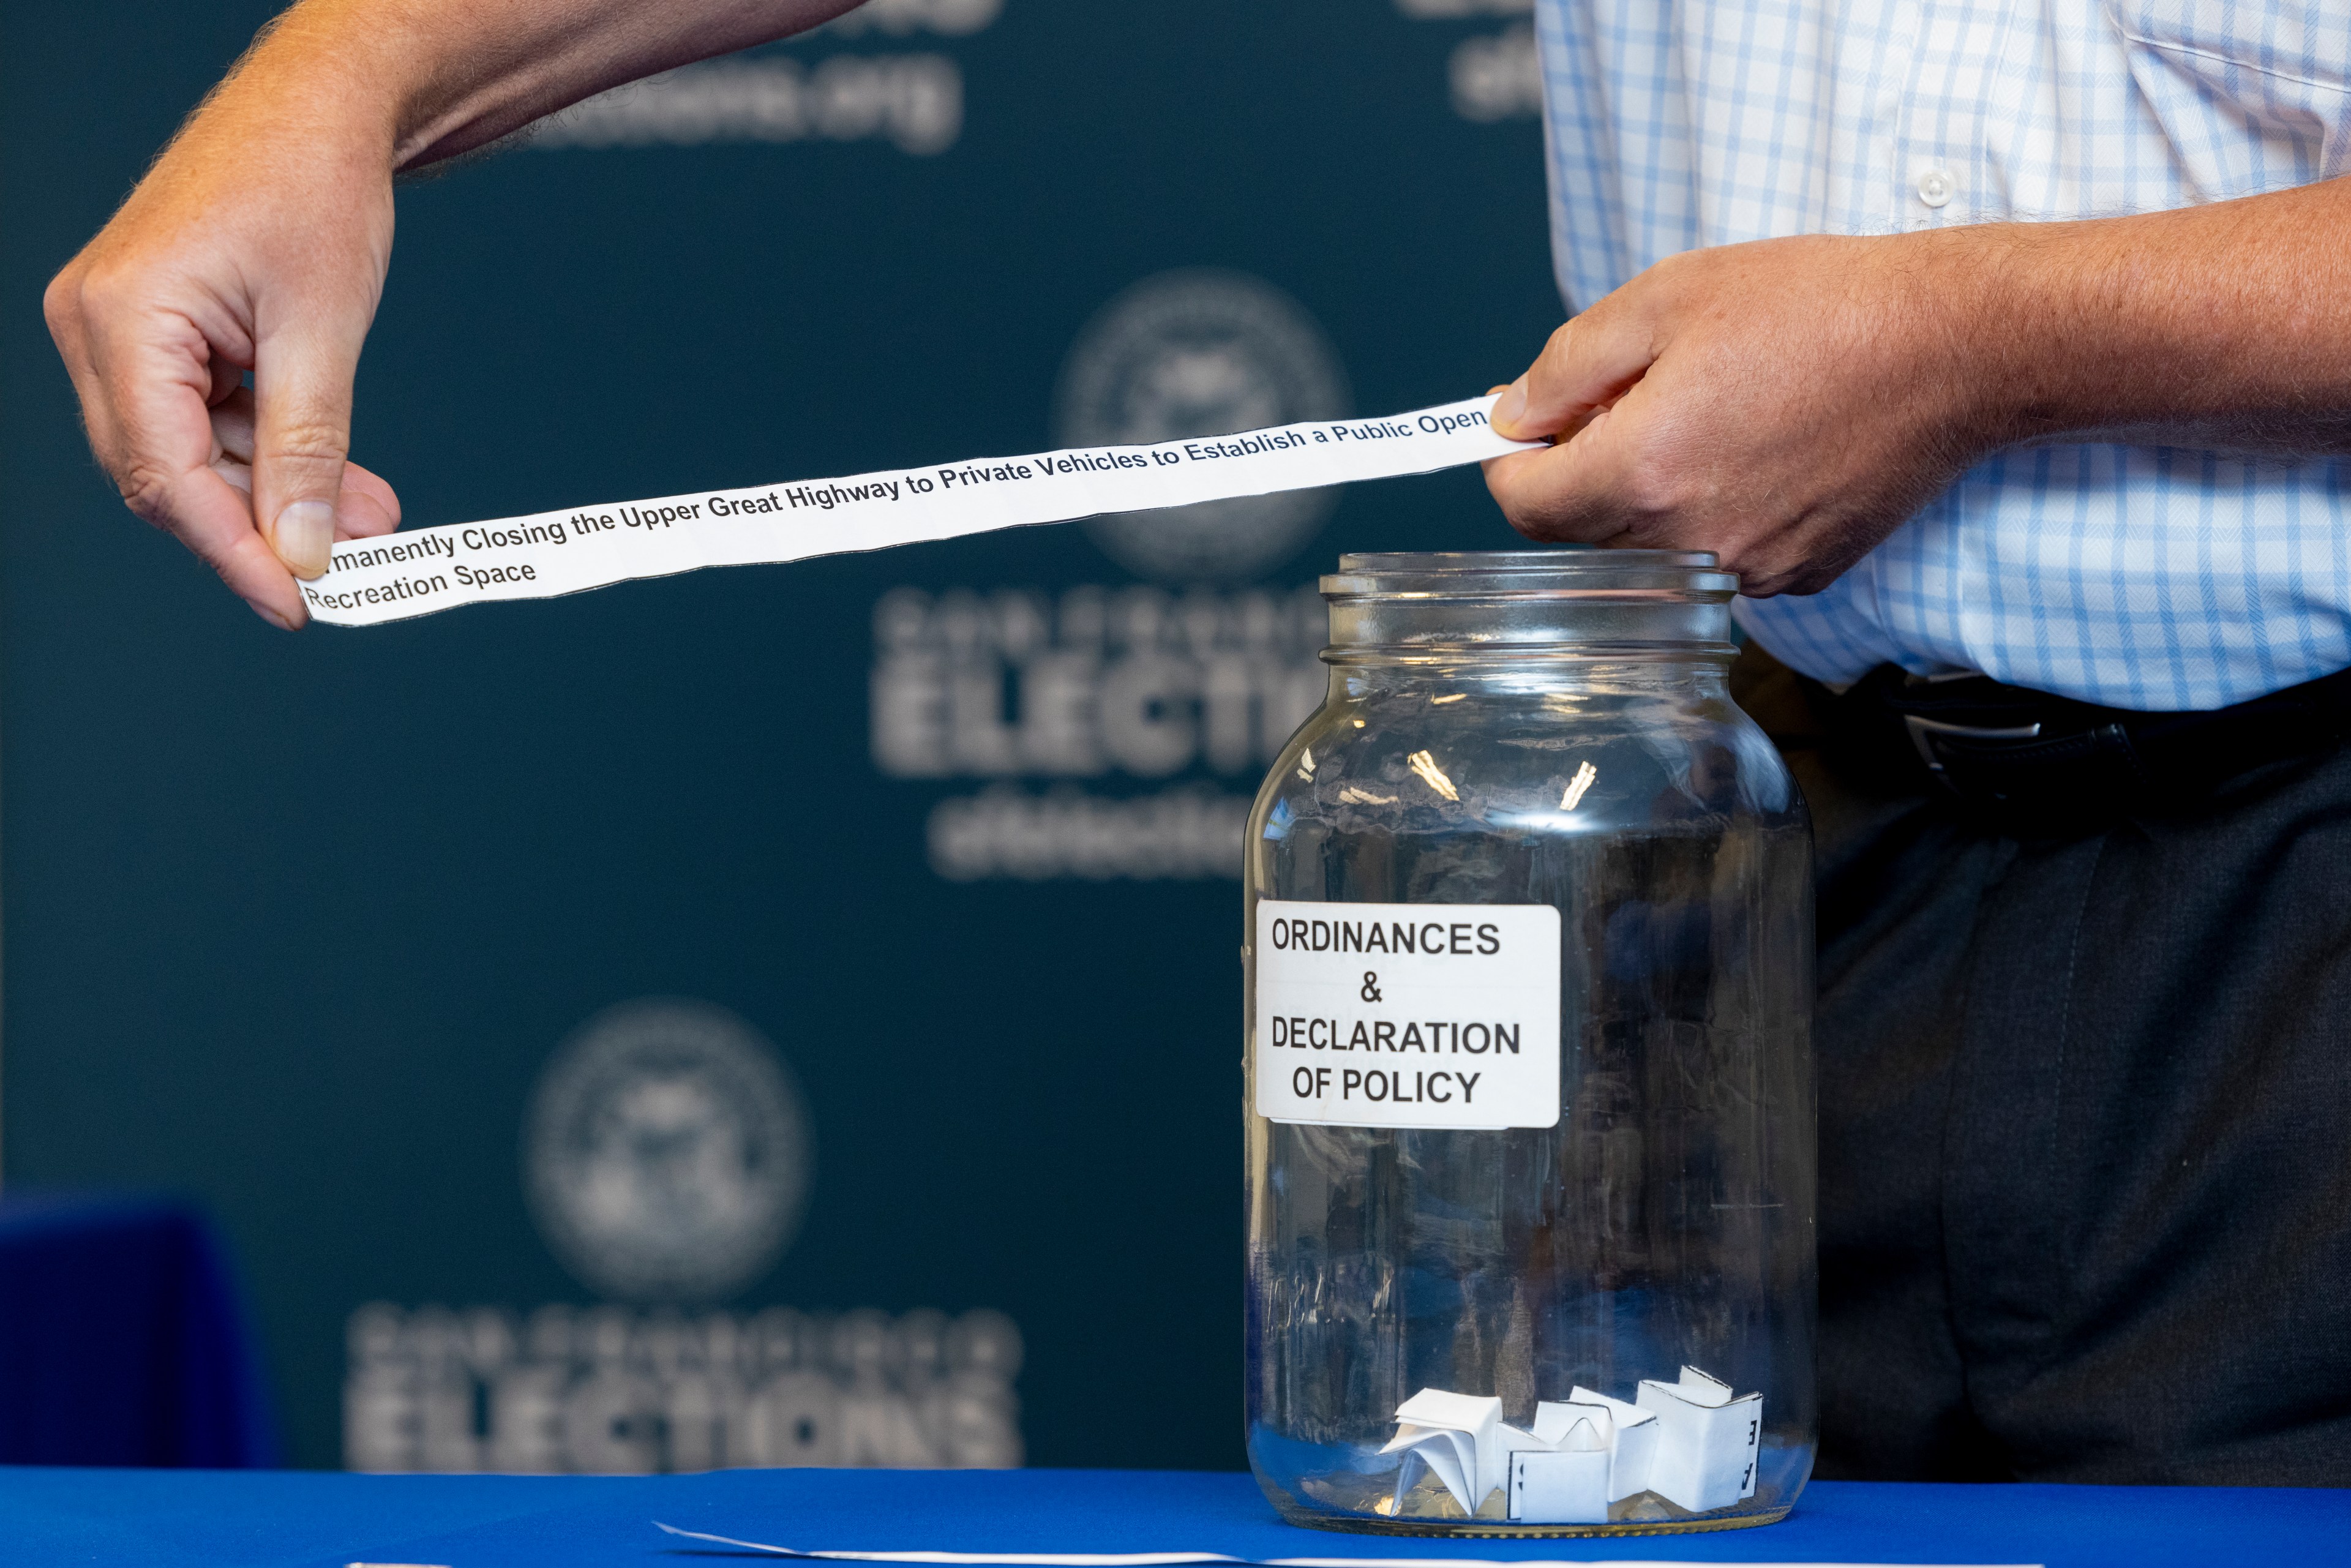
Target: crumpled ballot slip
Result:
[[1691, 1442], [393, 577]]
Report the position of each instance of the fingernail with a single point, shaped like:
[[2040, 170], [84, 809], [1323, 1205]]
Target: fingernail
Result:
[[1512, 405], [272, 616], [304, 534]]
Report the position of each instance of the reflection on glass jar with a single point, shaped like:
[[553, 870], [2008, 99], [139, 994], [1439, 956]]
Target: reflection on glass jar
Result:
[[1530, 1109]]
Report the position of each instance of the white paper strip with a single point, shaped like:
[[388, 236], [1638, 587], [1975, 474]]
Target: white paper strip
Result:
[[417, 572], [1167, 1559]]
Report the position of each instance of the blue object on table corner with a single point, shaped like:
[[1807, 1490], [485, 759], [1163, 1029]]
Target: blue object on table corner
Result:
[[291, 1519], [122, 1338]]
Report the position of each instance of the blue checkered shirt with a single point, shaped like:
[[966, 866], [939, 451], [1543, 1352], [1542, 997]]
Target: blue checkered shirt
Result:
[[2141, 577]]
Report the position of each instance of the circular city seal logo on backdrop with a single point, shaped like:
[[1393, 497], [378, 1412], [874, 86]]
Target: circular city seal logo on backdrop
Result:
[[666, 1153], [1201, 352]]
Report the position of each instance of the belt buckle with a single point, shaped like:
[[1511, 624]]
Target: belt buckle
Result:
[[1923, 733]]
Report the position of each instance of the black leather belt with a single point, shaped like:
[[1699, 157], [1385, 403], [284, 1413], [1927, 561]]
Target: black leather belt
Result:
[[2039, 758]]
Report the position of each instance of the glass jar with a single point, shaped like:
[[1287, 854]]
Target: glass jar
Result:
[[1529, 973]]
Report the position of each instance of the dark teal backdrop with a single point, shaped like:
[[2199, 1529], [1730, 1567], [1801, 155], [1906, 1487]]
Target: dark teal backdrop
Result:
[[293, 922]]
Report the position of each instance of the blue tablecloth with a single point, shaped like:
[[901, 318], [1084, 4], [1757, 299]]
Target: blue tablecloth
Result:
[[145, 1519], [121, 1339]]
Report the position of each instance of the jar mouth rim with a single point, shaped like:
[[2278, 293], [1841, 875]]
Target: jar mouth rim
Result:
[[1575, 572], [1450, 657]]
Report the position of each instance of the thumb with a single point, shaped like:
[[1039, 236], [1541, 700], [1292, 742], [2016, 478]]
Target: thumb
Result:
[[1580, 490], [1587, 365], [302, 432]]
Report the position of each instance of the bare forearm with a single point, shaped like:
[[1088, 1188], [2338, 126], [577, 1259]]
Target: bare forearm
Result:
[[424, 80], [257, 246], [2221, 326]]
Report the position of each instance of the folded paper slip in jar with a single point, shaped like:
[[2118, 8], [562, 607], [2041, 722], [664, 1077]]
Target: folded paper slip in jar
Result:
[[398, 576]]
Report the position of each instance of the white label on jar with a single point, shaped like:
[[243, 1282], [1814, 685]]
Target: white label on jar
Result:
[[1407, 1015]]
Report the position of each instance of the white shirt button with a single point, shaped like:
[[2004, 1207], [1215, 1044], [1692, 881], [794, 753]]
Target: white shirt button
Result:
[[1935, 187]]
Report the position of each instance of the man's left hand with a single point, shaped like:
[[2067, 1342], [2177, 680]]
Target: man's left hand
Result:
[[1785, 403]]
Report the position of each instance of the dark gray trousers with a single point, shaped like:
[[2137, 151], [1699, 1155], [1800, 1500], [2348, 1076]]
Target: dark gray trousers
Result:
[[2085, 1129]]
